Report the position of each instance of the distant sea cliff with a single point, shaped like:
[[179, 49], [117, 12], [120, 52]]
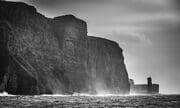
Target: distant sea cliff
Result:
[[39, 55]]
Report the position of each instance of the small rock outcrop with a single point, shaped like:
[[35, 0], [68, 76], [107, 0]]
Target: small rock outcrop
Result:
[[40, 55]]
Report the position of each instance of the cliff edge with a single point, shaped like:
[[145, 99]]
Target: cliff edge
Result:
[[40, 55]]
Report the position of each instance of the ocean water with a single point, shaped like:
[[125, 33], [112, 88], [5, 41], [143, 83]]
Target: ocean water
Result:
[[89, 101]]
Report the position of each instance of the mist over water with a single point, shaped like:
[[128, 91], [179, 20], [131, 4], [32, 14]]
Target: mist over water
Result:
[[76, 94]]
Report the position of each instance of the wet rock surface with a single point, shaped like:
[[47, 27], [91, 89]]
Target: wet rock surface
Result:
[[154, 101]]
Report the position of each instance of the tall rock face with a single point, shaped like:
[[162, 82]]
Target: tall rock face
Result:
[[71, 34], [106, 66], [40, 55]]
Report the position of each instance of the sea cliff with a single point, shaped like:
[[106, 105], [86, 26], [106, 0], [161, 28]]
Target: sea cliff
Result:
[[40, 55]]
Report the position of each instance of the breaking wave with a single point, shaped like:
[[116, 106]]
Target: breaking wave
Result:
[[5, 94], [76, 94]]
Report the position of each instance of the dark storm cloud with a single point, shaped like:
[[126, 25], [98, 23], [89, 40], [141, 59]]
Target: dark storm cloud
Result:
[[133, 5], [177, 4], [138, 4], [52, 3]]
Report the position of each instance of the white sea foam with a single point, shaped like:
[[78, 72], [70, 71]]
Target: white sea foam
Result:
[[76, 94], [63, 95], [85, 94], [5, 94]]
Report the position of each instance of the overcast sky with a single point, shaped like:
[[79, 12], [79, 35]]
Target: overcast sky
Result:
[[147, 30]]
